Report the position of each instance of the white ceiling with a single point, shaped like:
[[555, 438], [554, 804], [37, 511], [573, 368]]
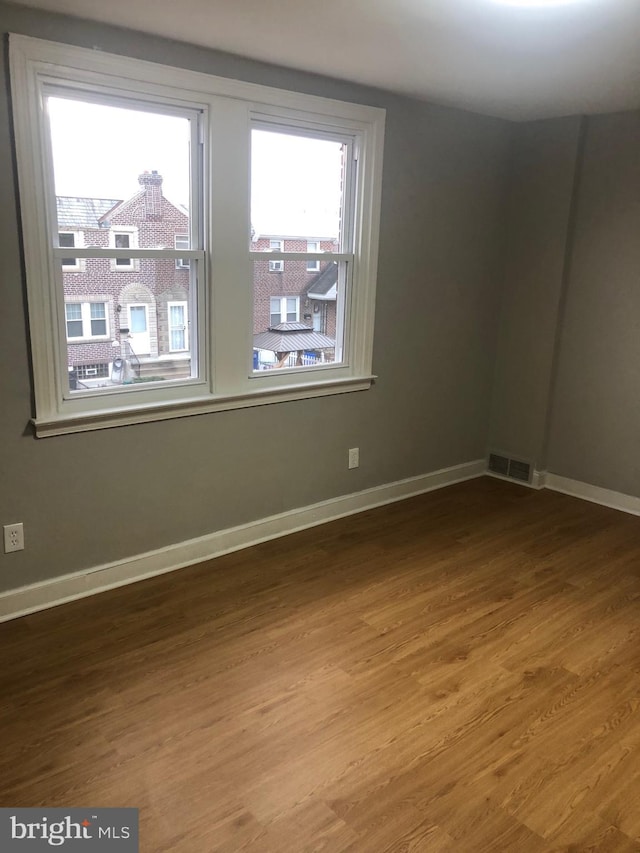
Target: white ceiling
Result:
[[515, 62]]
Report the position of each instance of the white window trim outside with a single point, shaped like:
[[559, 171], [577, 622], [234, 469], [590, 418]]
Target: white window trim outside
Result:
[[132, 232], [224, 338], [80, 263], [86, 336]]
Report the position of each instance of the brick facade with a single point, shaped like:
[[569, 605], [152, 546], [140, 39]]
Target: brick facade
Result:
[[294, 281], [150, 221], [145, 287]]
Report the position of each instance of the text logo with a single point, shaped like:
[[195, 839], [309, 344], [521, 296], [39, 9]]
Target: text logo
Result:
[[80, 830]]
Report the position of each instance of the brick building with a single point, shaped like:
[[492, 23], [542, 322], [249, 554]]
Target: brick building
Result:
[[294, 291], [139, 308], [144, 302]]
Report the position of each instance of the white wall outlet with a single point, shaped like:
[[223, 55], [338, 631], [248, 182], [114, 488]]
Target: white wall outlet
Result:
[[13, 537], [354, 457]]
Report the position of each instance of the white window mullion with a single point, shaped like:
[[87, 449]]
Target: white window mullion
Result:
[[232, 306]]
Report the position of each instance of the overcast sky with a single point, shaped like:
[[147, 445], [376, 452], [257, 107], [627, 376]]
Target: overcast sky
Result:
[[99, 151]]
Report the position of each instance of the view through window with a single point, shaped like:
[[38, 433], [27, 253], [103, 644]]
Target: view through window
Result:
[[122, 182], [192, 243], [297, 210]]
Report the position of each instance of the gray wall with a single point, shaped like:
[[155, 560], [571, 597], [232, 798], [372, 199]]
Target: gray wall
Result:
[[595, 429], [91, 498], [543, 161], [566, 393]]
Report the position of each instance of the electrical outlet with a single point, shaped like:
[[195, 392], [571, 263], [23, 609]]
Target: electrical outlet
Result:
[[354, 457], [13, 538]]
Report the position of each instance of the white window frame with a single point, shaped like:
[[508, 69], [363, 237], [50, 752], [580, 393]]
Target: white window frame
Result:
[[78, 237], [131, 231], [85, 308], [221, 336]]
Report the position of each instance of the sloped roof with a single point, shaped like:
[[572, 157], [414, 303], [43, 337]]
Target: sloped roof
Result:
[[324, 286], [292, 337], [74, 212]]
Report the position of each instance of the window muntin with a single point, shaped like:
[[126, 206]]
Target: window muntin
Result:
[[220, 110]]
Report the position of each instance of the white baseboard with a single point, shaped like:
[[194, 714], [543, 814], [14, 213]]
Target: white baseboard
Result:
[[595, 494], [39, 596]]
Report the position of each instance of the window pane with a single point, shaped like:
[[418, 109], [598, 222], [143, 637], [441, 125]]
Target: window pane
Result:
[[296, 190], [98, 319], [122, 178], [274, 317], [296, 206], [73, 310], [104, 155], [292, 310], [312, 304]]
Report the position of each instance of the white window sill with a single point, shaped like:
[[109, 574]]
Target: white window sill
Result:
[[63, 424]]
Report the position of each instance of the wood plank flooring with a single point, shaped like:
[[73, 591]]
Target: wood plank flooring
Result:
[[456, 672]]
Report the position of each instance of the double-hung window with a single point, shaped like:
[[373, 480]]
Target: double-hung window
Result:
[[285, 309], [170, 177], [85, 320]]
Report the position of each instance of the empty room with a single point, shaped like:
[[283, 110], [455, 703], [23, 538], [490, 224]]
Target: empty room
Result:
[[319, 467]]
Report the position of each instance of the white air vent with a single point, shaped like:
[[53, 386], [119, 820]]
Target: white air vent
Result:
[[516, 469]]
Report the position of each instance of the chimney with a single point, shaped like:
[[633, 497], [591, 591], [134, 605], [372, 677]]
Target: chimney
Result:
[[152, 184]]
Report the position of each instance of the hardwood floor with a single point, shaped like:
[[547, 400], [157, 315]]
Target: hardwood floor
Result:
[[456, 672]]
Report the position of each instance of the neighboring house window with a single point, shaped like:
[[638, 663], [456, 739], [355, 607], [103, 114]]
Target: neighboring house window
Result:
[[177, 313], [182, 242], [285, 309], [92, 371], [276, 246], [70, 240], [313, 265], [286, 163], [124, 237], [86, 320]]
